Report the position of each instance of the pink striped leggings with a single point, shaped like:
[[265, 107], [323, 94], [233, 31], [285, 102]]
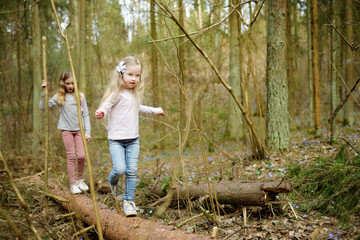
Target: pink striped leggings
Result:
[[69, 137]]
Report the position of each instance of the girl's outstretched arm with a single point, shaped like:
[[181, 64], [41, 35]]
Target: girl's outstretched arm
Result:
[[151, 110], [161, 112], [99, 114]]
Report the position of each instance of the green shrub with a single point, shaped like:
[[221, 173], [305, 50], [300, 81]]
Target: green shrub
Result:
[[331, 186]]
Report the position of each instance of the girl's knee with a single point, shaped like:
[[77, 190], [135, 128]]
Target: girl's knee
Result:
[[132, 172], [71, 157], [118, 171]]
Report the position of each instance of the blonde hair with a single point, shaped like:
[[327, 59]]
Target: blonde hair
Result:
[[62, 90], [116, 83]]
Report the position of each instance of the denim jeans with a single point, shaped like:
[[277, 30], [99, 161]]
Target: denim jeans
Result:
[[124, 156]]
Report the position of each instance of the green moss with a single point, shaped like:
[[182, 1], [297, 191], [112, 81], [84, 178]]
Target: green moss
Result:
[[330, 186]]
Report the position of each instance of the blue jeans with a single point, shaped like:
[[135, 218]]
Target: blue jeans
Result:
[[124, 156]]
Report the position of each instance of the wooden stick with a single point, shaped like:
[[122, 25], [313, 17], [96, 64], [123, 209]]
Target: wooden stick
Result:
[[189, 219], [57, 198], [245, 216], [65, 215], [23, 178], [352, 146], [293, 210], [46, 108], [77, 97], [84, 230], [214, 232]]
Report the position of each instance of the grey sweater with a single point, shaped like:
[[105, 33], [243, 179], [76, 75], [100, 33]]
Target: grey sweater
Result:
[[68, 118]]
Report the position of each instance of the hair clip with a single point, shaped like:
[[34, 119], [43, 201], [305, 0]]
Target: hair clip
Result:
[[121, 67]]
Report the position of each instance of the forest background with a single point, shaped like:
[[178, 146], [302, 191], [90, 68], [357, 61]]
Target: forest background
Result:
[[240, 80]]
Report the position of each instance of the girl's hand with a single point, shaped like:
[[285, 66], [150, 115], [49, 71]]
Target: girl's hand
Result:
[[161, 112], [44, 84], [87, 137], [99, 114]]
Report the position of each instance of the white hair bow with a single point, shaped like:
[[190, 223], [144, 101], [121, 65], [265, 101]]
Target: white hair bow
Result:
[[121, 67]]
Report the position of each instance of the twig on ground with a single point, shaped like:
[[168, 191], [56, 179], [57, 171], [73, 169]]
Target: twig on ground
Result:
[[293, 210], [57, 198], [65, 215], [352, 146], [189, 219], [84, 230]]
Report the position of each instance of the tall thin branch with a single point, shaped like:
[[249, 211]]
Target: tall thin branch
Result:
[[46, 97], [77, 97]]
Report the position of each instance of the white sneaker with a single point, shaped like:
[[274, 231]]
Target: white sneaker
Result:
[[82, 185], [116, 192], [130, 208], [74, 189]]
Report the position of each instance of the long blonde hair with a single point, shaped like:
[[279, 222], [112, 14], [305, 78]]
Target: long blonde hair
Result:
[[62, 90], [117, 84]]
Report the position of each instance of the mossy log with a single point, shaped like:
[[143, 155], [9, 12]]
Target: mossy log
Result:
[[233, 193]]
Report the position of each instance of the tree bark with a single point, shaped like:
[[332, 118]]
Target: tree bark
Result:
[[335, 48], [234, 121], [18, 124], [309, 71], [349, 63], [315, 66], [235, 193], [82, 43], [290, 59], [277, 121], [181, 56], [154, 72], [116, 226]]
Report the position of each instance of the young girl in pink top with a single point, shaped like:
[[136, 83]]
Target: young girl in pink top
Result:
[[121, 104]]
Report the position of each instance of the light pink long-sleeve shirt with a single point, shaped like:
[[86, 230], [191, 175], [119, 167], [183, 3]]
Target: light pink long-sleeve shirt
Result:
[[123, 115]]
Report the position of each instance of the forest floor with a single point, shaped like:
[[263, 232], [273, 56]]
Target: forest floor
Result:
[[276, 221]]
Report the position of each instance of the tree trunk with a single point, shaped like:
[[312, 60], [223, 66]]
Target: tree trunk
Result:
[[290, 59], [181, 56], [217, 4], [18, 126], [82, 44], [234, 121], [315, 66], [234, 193], [277, 121], [3, 79], [349, 64], [309, 71], [335, 65], [116, 226], [36, 70], [154, 70]]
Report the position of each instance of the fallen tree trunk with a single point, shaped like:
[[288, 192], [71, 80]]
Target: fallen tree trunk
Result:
[[116, 226], [234, 193]]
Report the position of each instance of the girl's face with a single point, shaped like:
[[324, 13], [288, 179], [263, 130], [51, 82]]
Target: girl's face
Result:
[[131, 76], [69, 85]]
